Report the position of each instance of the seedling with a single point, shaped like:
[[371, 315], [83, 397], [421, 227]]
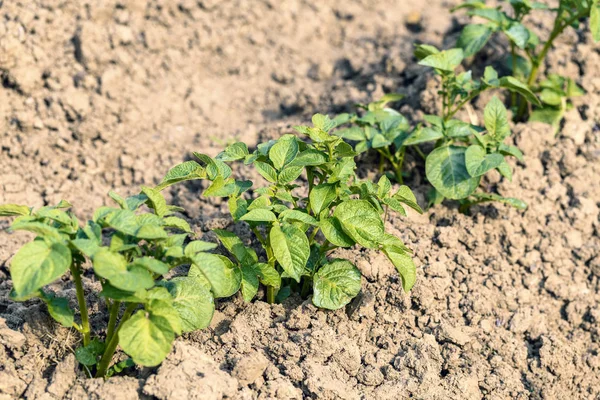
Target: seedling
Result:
[[312, 205], [527, 51], [129, 251], [462, 152]]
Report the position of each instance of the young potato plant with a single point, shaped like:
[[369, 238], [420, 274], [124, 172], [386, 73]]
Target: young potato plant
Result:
[[527, 51], [129, 252], [462, 152], [312, 205]]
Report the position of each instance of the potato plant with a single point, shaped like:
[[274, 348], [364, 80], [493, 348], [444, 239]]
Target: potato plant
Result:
[[527, 50], [462, 153], [312, 205], [129, 251]]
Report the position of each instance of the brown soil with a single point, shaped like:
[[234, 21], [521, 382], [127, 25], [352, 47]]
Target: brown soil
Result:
[[94, 97]]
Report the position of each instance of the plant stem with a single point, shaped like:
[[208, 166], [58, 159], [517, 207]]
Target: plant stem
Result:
[[539, 59], [513, 54], [462, 104], [111, 346], [271, 261], [112, 321], [85, 322]]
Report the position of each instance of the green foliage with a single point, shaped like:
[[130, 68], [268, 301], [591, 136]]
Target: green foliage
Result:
[[299, 226], [129, 251], [527, 50], [462, 153], [556, 93]]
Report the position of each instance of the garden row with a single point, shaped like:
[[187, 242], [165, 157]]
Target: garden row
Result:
[[313, 204]]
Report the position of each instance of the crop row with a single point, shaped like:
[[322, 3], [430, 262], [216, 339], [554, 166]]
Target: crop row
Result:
[[313, 203]]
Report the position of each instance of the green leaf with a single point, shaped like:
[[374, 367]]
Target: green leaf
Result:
[[88, 355], [297, 215], [354, 133], [113, 267], [473, 38], [214, 168], [10, 210], [198, 246], [177, 223], [220, 187], [151, 264], [321, 197], [119, 367], [361, 221], [236, 151], [490, 77], [39, 228], [156, 201], [383, 187], [595, 20], [266, 171], [259, 215], [146, 337], [423, 135], [505, 170], [183, 172], [446, 170], [496, 120], [37, 264], [490, 14], [323, 122], [284, 151], [424, 50], [289, 174], [335, 284], [88, 247], [291, 249], [193, 302], [518, 34], [333, 231], [548, 116], [406, 196], [58, 308], [446, 61], [478, 162], [517, 86], [249, 286], [267, 275], [511, 201], [510, 151], [551, 97], [224, 277], [244, 255], [309, 157], [404, 264]]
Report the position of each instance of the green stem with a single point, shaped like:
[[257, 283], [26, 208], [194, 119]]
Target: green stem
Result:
[[112, 321], [85, 322], [513, 53], [420, 152], [111, 346], [260, 237], [539, 59], [271, 260], [463, 103]]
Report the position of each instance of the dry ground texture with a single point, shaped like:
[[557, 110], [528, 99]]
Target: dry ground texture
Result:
[[109, 94]]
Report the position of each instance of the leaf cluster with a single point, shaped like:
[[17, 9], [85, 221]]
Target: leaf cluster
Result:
[[527, 50], [129, 251], [312, 204]]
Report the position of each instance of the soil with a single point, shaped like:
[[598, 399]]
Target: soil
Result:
[[108, 95]]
